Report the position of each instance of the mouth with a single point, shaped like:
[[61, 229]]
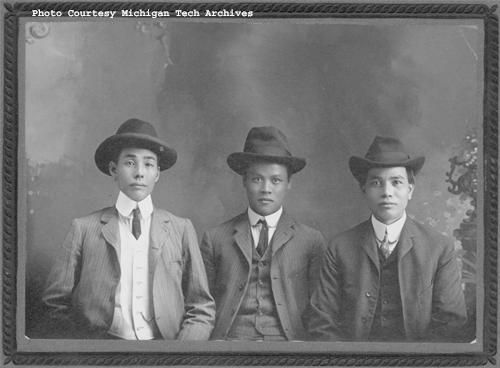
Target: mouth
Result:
[[387, 204], [138, 186], [265, 200]]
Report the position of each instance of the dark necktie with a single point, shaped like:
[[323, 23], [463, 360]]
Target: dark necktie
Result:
[[136, 223], [262, 245]]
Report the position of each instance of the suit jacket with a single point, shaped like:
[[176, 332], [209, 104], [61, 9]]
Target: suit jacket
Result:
[[82, 284], [344, 302], [297, 251]]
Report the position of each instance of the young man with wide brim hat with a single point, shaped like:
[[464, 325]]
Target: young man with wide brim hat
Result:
[[389, 278], [131, 271], [262, 264]]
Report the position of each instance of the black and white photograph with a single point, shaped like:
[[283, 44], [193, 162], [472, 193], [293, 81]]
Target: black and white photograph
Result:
[[250, 184]]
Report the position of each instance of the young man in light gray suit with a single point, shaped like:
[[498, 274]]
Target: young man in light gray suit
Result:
[[131, 271], [389, 278], [262, 265]]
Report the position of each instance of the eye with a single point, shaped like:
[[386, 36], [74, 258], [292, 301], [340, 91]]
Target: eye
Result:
[[150, 165], [397, 182], [129, 163], [277, 180], [375, 183], [256, 179]]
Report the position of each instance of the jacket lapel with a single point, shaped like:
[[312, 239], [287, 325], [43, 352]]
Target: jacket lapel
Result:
[[158, 234], [110, 230], [405, 240], [243, 237], [368, 244], [284, 232]]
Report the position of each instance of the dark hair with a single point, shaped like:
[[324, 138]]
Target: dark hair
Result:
[[410, 173]]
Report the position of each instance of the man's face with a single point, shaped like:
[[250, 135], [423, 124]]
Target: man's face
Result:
[[266, 185], [387, 192], [136, 172]]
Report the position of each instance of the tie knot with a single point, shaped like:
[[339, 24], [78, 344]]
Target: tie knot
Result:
[[386, 235], [262, 222], [136, 212]]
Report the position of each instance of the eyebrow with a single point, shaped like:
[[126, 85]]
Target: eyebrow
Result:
[[130, 155], [392, 177]]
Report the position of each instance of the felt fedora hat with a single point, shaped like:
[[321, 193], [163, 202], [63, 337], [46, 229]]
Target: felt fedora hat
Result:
[[267, 144], [134, 133], [384, 152]]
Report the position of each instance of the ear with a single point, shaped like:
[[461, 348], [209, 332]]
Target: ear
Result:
[[412, 187], [289, 186], [157, 175], [112, 169]]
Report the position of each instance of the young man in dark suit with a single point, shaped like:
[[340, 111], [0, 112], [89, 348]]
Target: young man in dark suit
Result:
[[262, 265], [389, 278], [131, 271]]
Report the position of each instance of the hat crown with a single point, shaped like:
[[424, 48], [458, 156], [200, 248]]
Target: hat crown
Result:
[[385, 149], [136, 126], [266, 141]]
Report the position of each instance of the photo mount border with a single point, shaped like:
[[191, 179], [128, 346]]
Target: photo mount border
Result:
[[12, 13]]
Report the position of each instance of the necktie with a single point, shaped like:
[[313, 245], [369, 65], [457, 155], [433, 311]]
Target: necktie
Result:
[[136, 223], [385, 245], [262, 245]]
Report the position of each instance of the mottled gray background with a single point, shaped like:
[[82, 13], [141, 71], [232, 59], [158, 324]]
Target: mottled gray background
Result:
[[330, 87]]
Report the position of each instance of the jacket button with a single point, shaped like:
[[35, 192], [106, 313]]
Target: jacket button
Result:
[[242, 286], [363, 319], [368, 294]]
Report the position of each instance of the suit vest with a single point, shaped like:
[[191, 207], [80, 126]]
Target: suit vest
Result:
[[388, 321], [257, 317]]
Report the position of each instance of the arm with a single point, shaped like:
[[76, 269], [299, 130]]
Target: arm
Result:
[[60, 283], [323, 320], [199, 305], [448, 304], [315, 262], [207, 252]]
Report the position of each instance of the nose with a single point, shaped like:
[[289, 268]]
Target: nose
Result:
[[139, 171], [266, 186], [387, 189]]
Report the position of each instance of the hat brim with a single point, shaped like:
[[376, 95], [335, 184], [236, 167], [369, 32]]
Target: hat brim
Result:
[[239, 161], [111, 146], [359, 166]]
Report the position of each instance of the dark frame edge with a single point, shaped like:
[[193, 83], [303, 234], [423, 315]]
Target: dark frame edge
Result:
[[9, 195], [491, 183], [9, 184]]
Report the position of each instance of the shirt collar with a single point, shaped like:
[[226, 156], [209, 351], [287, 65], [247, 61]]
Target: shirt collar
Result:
[[272, 219], [125, 205], [393, 230]]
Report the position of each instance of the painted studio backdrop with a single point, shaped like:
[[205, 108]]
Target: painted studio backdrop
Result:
[[330, 86]]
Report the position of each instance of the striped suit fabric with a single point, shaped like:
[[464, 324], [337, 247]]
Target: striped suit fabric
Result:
[[297, 252], [81, 287]]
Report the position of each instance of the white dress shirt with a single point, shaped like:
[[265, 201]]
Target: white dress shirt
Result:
[[393, 231], [272, 223], [133, 317]]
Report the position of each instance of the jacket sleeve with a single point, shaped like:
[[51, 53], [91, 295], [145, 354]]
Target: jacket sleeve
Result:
[[323, 320], [315, 262], [207, 252], [199, 305], [448, 303], [61, 281]]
